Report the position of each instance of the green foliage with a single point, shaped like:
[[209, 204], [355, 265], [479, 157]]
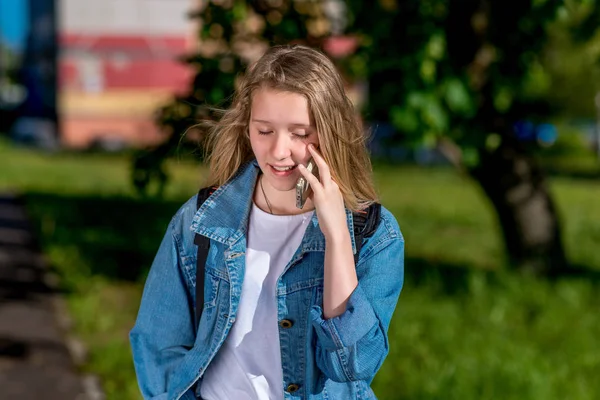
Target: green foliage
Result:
[[462, 74], [463, 69], [572, 65]]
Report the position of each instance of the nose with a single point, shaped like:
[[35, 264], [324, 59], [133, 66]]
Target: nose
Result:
[[281, 147]]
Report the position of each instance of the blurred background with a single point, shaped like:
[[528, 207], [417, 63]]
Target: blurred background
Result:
[[482, 118]]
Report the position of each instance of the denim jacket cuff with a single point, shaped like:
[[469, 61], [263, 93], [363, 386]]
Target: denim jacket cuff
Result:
[[348, 328]]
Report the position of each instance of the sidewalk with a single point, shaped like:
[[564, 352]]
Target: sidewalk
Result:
[[35, 361]]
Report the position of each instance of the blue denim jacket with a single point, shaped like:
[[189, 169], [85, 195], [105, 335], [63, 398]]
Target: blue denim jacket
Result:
[[327, 359]]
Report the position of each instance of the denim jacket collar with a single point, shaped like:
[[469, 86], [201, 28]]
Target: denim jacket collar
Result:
[[223, 217]]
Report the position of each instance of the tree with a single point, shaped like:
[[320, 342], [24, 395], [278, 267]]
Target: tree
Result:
[[467, 75], [462, 75]]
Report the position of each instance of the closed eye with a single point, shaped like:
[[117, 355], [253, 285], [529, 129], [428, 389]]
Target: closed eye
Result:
[[264, 132]]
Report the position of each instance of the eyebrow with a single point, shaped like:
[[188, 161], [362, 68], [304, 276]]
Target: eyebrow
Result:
[[293, 124]]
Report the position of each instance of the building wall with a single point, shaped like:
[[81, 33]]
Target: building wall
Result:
[[98, 63], [117, 64], [126, 17]]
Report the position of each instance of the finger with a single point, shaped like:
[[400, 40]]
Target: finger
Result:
[[310, 178], [334, 185], [324, 172]]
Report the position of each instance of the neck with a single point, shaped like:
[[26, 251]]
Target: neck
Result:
[[280, 202]]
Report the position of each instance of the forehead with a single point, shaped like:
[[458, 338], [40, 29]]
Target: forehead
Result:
[[280, 107]]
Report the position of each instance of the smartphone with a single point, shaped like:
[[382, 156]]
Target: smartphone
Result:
[[302, 185]]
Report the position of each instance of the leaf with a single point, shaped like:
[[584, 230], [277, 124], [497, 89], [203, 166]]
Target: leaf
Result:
[[429, 139], [404, 119], [428, 71], [470, 157], [457, 97], [493, 141], [216, 95], [434, 114], [240, 11], [436, 46], [416, 99], [503, 99]]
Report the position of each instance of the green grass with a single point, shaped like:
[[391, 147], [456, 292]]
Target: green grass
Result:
[[447, 218], [494, 337], [464, 328]]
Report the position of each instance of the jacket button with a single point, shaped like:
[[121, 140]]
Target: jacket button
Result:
[[292, 387], [286, 323]]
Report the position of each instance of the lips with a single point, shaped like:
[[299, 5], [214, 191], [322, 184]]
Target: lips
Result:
[[282, 171]]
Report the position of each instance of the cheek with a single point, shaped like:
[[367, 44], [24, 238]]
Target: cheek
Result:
[[258, 146], [300, 151]]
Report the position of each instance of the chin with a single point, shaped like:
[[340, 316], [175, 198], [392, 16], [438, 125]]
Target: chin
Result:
[[284, 187], [282, 183]]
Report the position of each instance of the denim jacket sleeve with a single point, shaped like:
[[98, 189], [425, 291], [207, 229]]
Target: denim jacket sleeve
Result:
[[353, 345], [162, 335]]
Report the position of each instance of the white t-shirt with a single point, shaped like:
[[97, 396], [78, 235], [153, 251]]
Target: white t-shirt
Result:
[[248, 365]]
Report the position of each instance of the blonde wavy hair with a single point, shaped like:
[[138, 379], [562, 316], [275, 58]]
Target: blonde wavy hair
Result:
[[342, 142]]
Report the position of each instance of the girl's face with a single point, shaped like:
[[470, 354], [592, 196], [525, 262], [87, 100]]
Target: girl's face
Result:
[[280, 130]]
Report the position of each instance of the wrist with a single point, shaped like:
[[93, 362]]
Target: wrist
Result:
[[339, 237]]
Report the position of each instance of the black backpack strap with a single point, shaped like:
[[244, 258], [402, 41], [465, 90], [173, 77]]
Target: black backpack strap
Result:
[[203, 244], [365, 225]]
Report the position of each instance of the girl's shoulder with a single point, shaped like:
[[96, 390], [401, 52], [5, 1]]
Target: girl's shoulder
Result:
[[182, 219], [388, 227]]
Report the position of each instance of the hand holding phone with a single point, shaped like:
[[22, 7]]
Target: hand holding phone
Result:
[[302, 185], [326, 196]]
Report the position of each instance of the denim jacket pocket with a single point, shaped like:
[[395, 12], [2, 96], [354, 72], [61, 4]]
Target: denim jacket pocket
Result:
[[215, 273], [212, 282]]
